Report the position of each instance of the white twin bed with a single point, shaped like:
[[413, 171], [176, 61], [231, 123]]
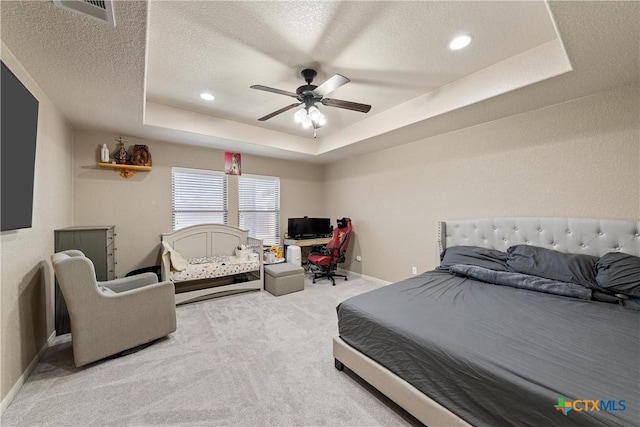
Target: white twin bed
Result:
[[212, 266]]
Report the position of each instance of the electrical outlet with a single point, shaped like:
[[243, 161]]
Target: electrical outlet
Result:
[[358, 258], [414, 270]]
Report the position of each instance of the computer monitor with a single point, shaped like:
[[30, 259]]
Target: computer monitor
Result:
[[309, 227]]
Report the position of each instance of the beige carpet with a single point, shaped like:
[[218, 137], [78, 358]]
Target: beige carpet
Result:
[[248, 360]]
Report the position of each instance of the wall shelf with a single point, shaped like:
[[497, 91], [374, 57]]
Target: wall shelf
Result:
[[126, 171]]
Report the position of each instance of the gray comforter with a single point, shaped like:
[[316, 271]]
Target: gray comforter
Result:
[[522, 281], [497, 355]]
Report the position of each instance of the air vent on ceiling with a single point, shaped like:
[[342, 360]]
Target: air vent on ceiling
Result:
[[97, 9]]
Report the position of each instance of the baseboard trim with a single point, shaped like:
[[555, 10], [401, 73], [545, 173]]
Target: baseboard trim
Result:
[[363, 276], [25, 375]]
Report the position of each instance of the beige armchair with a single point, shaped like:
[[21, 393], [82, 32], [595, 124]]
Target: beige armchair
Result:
[[110, 317]]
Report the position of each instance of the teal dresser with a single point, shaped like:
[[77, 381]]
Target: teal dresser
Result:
[[97, 243]]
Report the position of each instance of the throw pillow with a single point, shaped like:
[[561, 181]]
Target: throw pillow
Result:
[[543, 262], [178, 263], [473, 255], [619, 273]]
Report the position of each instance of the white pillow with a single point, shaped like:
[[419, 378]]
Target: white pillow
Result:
[[178, 263]]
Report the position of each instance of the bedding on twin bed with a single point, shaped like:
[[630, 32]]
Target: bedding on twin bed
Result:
[[214, 267], [207, 267], [497, 355]]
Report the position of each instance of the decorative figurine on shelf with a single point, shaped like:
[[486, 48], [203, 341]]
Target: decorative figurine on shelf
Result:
[[121, 155], [141, 155]]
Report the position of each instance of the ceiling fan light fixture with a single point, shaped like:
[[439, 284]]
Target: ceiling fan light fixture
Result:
[[299, 116], [460, 42], [309, 94], [307, 123], [310, 117], [315, 114]]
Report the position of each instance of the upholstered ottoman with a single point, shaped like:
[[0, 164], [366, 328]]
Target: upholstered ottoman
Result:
[[284, 278]]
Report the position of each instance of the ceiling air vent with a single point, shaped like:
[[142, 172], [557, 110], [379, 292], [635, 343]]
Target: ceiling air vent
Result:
[[97, 9]]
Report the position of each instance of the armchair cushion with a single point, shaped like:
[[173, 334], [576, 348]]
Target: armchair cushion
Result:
[[130, 282]]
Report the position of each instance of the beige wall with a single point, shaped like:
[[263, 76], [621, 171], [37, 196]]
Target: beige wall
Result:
[[140, 207], [577, 159], [26, 286]]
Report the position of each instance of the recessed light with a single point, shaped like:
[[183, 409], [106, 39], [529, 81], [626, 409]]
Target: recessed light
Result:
[[460, 42], [207, 96]]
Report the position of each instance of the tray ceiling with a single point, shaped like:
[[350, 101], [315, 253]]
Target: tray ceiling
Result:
[[143, 77]]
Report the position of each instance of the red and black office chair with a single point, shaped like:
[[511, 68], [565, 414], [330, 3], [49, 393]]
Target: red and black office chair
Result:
[[326, 261]]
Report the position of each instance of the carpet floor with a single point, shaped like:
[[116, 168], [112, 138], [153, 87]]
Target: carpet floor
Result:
[[246, 360]]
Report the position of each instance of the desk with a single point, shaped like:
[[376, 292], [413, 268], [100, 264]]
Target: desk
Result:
[[305, 243]]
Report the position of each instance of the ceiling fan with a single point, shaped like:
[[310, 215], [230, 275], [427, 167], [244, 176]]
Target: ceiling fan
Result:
[[309, 95]]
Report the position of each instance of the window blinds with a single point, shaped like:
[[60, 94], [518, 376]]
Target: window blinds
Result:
[[198, 196], [259, 207]]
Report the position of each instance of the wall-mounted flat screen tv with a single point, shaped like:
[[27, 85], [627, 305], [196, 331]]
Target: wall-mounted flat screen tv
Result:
[[308, 227], [18, 129]]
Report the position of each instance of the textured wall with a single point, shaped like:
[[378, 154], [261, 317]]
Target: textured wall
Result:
[[576, 159], [26, 290], [140, 207]]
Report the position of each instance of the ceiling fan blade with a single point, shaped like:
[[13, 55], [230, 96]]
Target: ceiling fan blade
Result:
[[348, 105], [282, 110], [274, 90], [330, 85]]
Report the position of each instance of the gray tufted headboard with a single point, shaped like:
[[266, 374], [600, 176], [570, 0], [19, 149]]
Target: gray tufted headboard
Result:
[[569, 235]]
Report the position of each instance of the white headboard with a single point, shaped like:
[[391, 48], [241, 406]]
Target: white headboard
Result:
[[569, 235], [206, 240]]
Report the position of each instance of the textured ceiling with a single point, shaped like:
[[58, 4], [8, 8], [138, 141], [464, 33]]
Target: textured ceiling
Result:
[[392, 52], [143, 77]]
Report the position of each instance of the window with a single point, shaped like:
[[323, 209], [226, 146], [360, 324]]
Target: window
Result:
[[198, 196], [259, 207]]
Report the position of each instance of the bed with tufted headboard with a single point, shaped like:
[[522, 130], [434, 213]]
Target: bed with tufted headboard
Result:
[[568, 235], [453, 349]]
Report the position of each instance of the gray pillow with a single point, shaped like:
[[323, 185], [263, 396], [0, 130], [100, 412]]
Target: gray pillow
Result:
[[619, 273], [537, 261], [473, 255]]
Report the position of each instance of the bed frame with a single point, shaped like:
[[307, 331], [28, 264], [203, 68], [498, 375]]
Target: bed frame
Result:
[[206, 240], [568, 235]]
